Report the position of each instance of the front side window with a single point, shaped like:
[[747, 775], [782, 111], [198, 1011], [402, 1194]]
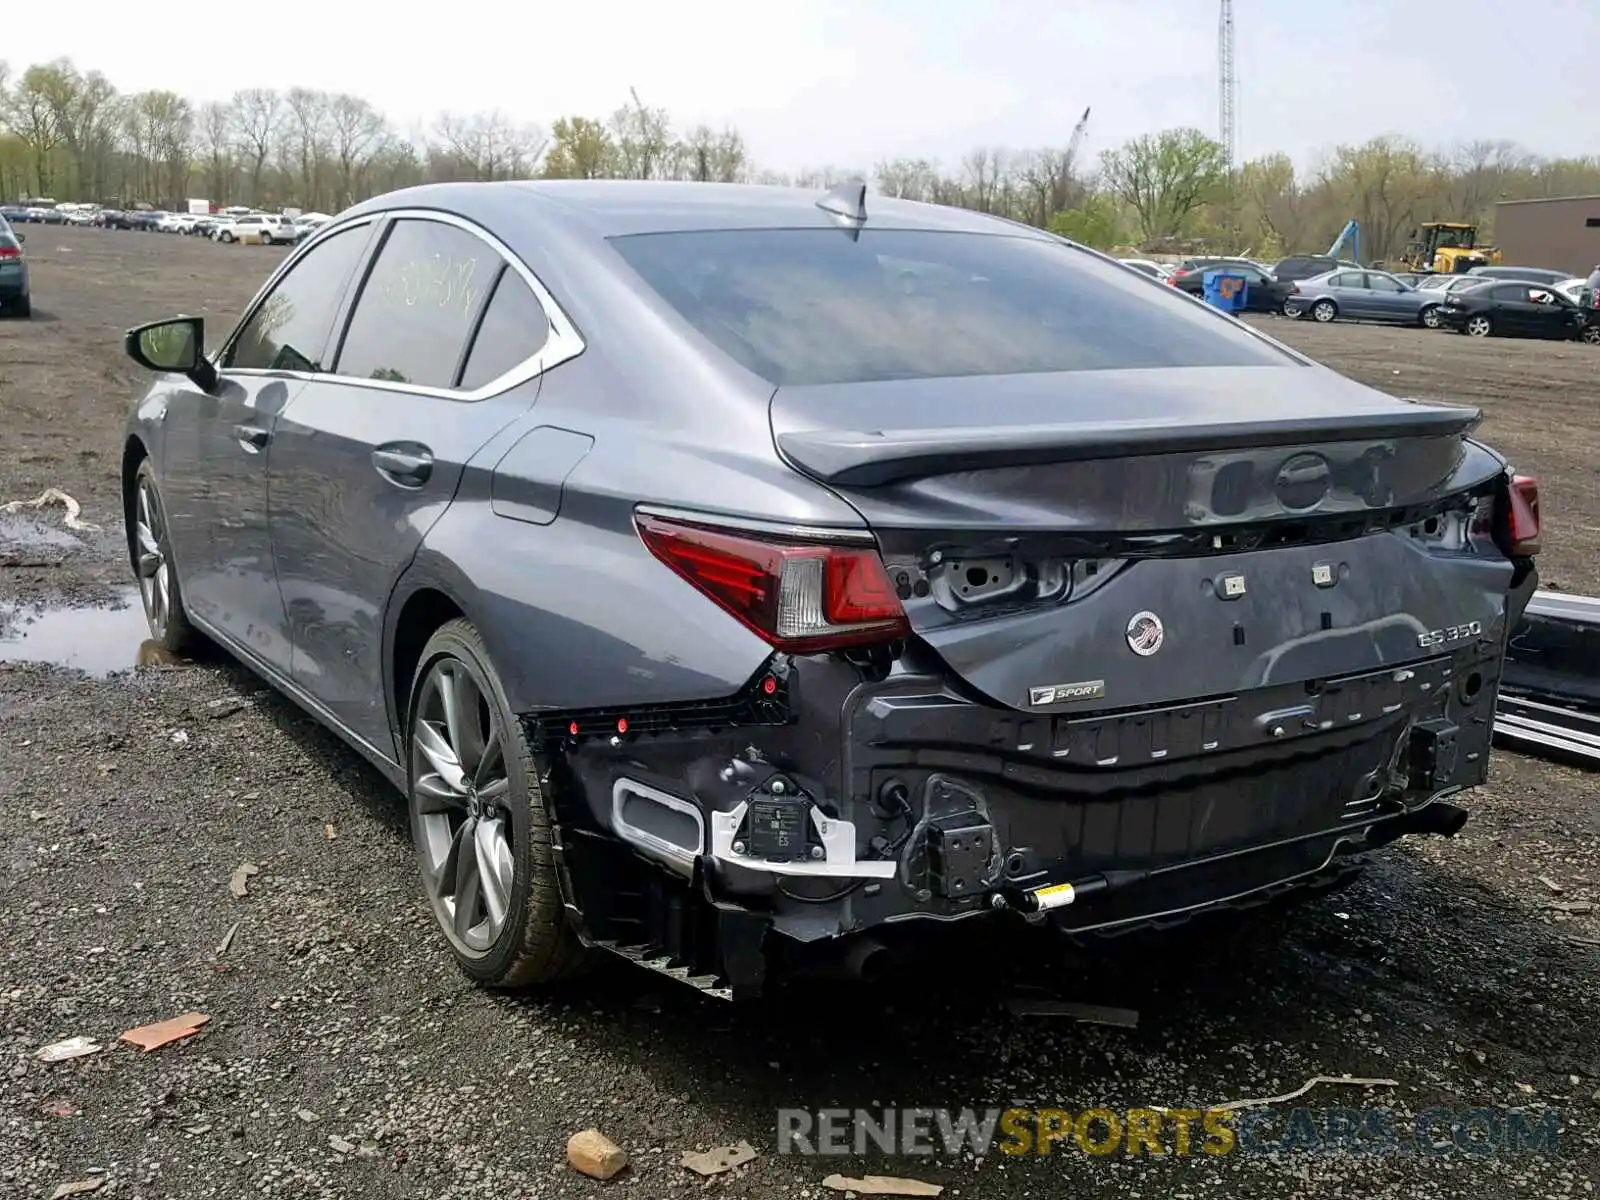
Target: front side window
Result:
[[816, 306], [1382, 283], [418, 305], [287, 330]]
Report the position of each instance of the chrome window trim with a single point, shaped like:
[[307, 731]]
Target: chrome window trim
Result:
[[563, 344]]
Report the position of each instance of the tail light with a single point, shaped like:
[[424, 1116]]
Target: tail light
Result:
[[799, 596], [1523, 516], [1294, 289], [10, 252]]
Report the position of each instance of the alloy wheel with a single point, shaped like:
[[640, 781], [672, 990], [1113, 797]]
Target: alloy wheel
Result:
[[1591, 334], [154, 567], [1323, 311], [1478, 327], [1430, 317], [460, 795]]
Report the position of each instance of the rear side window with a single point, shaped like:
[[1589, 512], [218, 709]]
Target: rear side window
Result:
[[514, 329], [814, 306], [287, 330], [418, 305]]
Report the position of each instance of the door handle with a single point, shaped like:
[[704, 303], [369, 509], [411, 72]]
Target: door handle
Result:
[[252, 437], [405, 464]]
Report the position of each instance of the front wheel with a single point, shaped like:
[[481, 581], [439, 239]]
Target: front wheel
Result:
[[1324, 311], [150, 548], [224, 237], [1430, 317], [1478, 327], [1590, 334], [479, 821]]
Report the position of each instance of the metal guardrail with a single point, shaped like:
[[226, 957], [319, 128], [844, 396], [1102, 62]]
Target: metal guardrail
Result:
[[1549, 698]]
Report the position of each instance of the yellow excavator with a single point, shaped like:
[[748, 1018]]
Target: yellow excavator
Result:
[[1447, 248]]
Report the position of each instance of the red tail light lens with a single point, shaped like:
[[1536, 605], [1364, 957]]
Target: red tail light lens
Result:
[[1524, 516], [802, 597], [10, 252]]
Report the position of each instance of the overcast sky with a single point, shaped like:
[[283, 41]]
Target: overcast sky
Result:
[[847, 82]]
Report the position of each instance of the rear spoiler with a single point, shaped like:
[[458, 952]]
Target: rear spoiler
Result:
[[872, 458]]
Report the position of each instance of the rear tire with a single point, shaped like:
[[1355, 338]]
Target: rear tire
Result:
[[1324, 311], [1479, 326], [1590, 334], [150, 551], [23, 308], [480, 821]]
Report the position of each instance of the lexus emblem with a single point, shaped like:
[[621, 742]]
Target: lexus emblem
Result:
[[1145, 633]]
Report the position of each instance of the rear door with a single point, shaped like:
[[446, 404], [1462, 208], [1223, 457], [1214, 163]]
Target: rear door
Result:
[[1350, 294], [364, 462]]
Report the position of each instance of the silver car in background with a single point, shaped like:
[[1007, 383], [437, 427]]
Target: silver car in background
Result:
[[1363, 296]]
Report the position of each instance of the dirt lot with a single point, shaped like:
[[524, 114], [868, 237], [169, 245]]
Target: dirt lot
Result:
[[345, 1057]]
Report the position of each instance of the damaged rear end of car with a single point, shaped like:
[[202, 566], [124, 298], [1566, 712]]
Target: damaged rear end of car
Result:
[[1122, 637]]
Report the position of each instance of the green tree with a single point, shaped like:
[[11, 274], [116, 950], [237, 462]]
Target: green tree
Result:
[[580, 148], [1096, 222], [1165, 178]]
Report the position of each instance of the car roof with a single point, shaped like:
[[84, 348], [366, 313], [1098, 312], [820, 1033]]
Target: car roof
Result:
[[613, 207]]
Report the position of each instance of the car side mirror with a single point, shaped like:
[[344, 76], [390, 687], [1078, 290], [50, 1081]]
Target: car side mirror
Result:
[[21, 237], [176, 345]]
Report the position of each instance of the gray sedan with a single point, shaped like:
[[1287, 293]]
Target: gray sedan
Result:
[[1363, 296], [748, 582]]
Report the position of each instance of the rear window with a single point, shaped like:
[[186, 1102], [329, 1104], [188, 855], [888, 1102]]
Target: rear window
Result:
[[814, 306]]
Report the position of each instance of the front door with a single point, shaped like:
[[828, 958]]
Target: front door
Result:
[[366, 460], [1388, 298], [220, 447]]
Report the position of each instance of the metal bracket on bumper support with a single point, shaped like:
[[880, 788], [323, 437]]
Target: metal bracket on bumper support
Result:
[[779, 830], [1550, 687]]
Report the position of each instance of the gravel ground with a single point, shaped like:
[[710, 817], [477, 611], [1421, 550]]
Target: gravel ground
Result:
[[346, 1057]]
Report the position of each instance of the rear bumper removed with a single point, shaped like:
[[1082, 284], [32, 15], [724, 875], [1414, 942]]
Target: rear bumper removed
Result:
[[820, 816]]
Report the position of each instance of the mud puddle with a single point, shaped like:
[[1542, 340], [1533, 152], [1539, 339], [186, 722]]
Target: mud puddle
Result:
[[97, 641], [29, 542]]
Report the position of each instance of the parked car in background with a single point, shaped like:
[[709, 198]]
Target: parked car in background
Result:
[[15, 297], [1515, 309], [1363, 296], [266, 228], [1447, 284], [1572, 289], [1146, 267], [13, 214], [688, 661], [1308, 266], [143, 220], [1527, 274], [1263, 292]]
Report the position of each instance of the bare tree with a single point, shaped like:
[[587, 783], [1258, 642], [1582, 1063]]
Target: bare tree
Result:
[[643, 137], [257, 115], [357, 128]]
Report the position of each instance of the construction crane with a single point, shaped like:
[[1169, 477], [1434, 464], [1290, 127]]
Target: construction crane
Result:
[[1075, 146], [1228, 113]]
